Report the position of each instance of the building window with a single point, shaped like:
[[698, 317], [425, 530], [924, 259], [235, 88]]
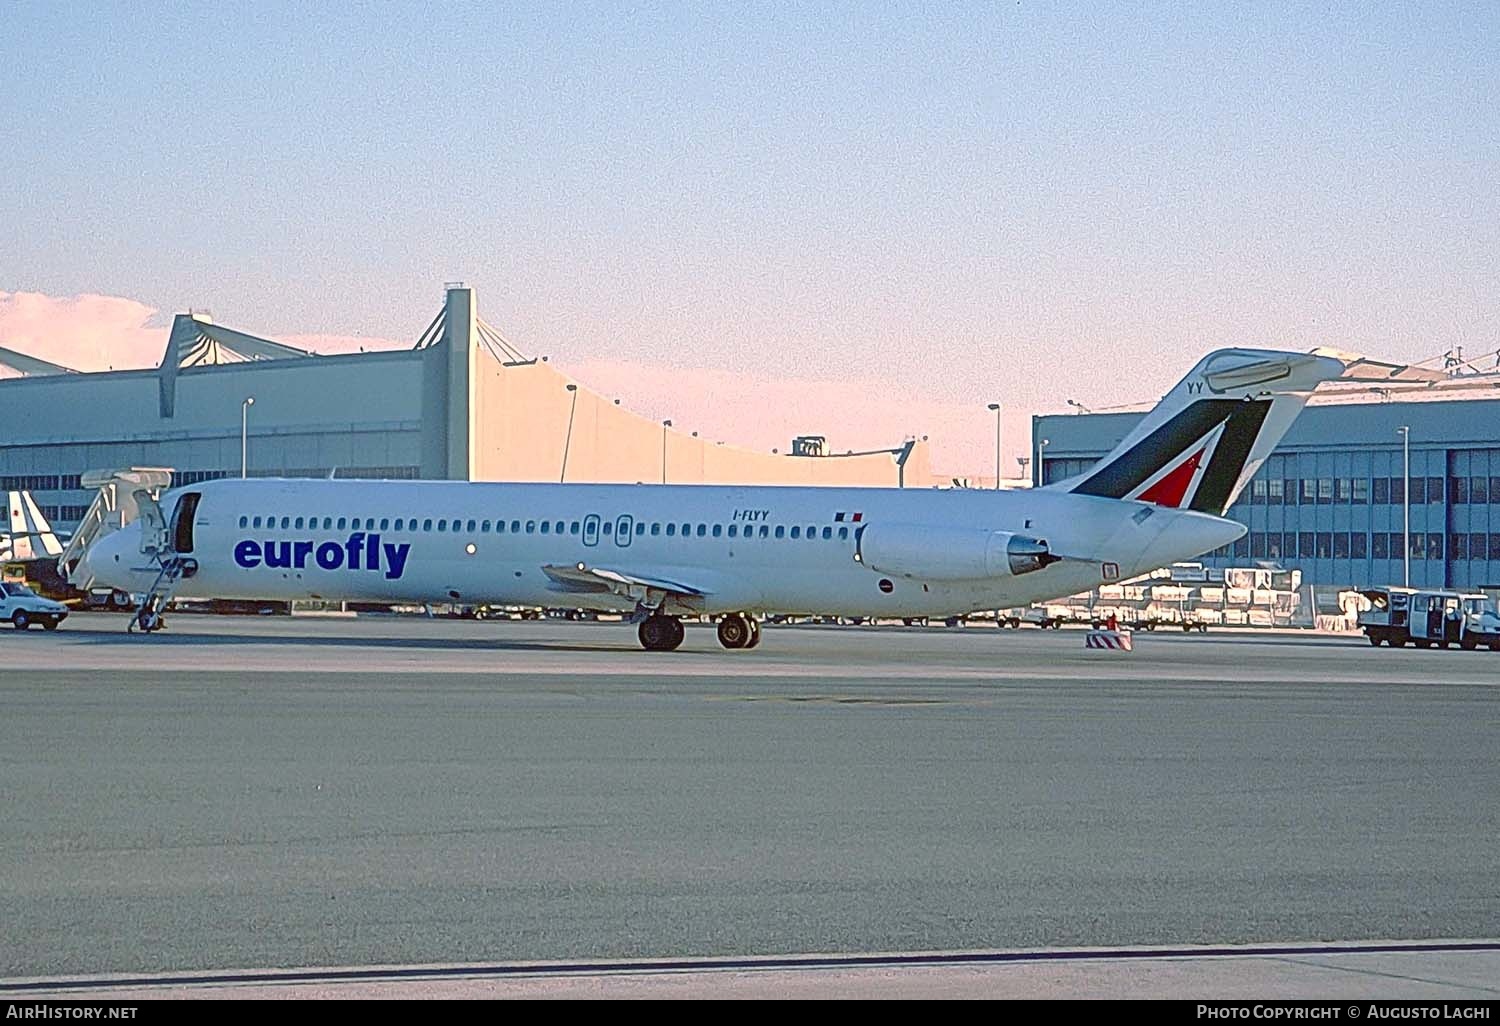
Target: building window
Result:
[[1274, 492], [1418, 489], [1434, 546], [1342, 488], [1361, 493], [1398, 491], [1290, 488], [1257, 545], [1458, 491], [1357, 542], [1325, 545], [1378, 547], [1478, 492], [1418, 546], [1494, 490], [1458, 544], [1305, 546], [1257, 495], [1309, 492], [1382, 496], [1242, 547], [1396, 542], [1340, 545], [1434, 489], [1289, 545], [1476, 546], [1325, 491], [1494, 545]]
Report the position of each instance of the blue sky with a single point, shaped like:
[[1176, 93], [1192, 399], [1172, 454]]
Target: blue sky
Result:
[[961, 201]]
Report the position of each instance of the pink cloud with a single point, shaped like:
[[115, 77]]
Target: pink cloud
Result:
[[759, 412], [86, 332]]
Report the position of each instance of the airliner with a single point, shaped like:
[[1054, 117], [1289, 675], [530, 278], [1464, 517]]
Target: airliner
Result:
[[662, 552]]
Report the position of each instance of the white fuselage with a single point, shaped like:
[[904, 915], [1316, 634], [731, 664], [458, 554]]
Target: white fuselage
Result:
[[734, 549]]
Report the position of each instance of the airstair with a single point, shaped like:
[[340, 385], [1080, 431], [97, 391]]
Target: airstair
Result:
[[123, 496]]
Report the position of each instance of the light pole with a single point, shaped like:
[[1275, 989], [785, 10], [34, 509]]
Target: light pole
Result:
[[1405, 432], [568, 441], [244, 433], [664, 425], [1040, 461], [995, 408]]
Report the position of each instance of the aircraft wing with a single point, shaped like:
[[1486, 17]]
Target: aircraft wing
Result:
[[580, 577]]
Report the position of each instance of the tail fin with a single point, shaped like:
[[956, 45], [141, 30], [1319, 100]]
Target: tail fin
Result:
[[1207, 437], [30, 535]]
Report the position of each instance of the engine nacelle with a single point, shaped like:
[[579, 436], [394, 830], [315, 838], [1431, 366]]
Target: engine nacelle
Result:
[[949, 553]]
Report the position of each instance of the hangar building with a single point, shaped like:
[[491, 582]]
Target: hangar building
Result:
[[462, 404]]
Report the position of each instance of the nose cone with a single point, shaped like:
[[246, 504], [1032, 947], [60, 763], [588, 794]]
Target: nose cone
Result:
[[109, 560]]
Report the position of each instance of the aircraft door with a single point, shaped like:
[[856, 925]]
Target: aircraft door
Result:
[[623, 530], [591, 529], [182, 522]]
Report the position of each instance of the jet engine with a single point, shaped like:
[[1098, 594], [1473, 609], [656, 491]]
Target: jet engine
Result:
[[949, 553]]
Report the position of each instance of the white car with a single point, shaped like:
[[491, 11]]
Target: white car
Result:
[[23, 607]]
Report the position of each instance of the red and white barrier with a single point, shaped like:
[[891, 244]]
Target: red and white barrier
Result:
[[1116, 641]]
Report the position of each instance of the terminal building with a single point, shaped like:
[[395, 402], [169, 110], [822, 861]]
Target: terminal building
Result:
[[1334, 497], [461, 404]]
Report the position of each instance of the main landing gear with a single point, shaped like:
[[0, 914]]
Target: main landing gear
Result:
[[739, 631], [660, 633]]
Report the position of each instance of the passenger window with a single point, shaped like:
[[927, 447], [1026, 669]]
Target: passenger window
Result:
[[559, 527], [286, 522], [531, 527], [471, 527], [733, 531], [399, 522], [244, 521], [827, 533], [780, 531], [796, 532], [843, 533], [640, 529], [671, 530], [385, 523], [812, 532], [718, 530], [764, 530], [484, 527], [702, 530], [327, 523], [573, 527], [499, 526], [515, 527], [546, 527], [257, 521], [427, 524], [442, 525], [342, 521], [609, 526], [297, 523], [656, 529]]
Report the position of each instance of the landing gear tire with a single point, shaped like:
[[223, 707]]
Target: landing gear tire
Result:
[[754, 633], [1468, 644], [735, 631], [659, 633], [1375, 640], [21, 620]]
